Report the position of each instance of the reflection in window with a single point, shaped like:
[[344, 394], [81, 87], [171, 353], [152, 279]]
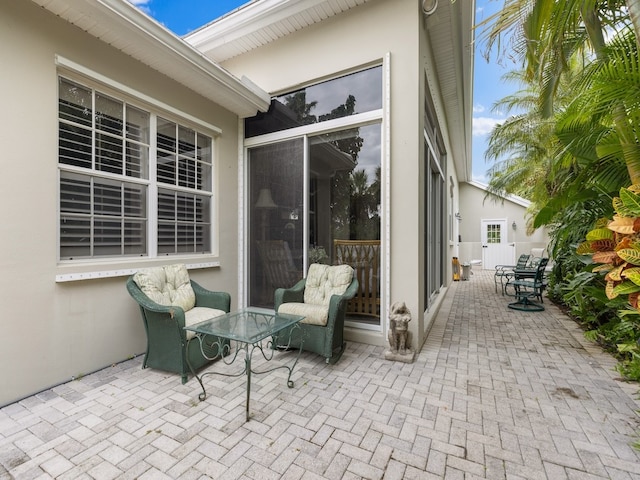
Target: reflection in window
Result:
[[341, 97], [344, 209], [345, 185]]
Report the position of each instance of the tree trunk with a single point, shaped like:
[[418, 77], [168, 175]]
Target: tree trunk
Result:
[[633, 6], [625, 133]]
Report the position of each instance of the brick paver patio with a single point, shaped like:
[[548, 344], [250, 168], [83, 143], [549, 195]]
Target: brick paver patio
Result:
[[494, 393]]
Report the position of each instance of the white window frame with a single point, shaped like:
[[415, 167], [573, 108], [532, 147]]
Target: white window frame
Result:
[[104, 85]]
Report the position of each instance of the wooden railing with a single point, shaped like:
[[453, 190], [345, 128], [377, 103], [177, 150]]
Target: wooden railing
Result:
[[364, 257]]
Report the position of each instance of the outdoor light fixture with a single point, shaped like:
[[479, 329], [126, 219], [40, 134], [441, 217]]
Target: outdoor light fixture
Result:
[[513, 225]]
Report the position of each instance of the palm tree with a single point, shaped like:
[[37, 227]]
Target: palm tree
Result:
[[597, 134], [520, 147], [548, 35]]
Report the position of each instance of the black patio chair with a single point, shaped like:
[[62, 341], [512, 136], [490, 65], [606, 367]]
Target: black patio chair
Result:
[[505, 272], [527, 287]]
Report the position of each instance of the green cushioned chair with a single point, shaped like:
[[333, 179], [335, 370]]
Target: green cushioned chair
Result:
[[322, 299], [167, 341]]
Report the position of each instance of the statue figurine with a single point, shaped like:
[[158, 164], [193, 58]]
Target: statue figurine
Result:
[[399, 335]]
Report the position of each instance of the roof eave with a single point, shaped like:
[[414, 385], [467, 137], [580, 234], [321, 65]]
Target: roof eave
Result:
[[459, 116], [162, 50]]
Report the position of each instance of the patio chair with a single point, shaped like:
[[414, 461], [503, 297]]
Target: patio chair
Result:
[[277, 263], [505, 272], [322, 299], [528, 286], [168, 302]]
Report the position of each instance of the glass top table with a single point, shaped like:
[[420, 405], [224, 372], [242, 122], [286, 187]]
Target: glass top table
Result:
[[247, 328]]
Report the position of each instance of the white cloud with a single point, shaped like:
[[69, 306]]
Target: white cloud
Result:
[[480, 178], [484, 125], [142, 5], [478, 108]]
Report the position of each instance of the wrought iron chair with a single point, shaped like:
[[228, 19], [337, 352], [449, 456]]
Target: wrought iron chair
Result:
[[527, 287], [505, 272]]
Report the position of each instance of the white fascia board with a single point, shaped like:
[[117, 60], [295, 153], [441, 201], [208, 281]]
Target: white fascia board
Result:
[[138, 20], [523, 202], [245, 98], [246, 20]]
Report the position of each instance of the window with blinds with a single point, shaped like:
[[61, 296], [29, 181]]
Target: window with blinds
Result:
[[106, 177]]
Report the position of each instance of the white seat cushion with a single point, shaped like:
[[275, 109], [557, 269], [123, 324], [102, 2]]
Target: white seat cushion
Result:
[[313, 314], [323, 281], [167, 285], [199, 314]]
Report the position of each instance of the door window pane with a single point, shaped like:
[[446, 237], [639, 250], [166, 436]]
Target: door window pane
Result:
[[493, 233], [344, 210], [276, 221]]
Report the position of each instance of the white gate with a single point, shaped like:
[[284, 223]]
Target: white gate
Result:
[[495, 249]]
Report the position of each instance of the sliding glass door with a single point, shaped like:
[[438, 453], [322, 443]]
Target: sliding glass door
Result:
[[314, 188], [337, 216]]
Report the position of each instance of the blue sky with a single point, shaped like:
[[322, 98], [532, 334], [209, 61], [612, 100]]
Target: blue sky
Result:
[[184, 16]]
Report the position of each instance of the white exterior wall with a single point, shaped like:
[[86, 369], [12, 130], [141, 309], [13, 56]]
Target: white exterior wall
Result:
[[474, 207], [359, 37], [54, 331]]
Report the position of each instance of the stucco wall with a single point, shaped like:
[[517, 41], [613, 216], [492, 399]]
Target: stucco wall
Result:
[[53, 331], [474, 207], [359, 37]]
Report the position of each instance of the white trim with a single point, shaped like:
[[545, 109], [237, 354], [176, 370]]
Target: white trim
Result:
[[67, 64], [358, 120], [72, 277], [386, 195], [243, 252], [356, 325], [306, 174], [124, 27], [254, 17], [152, 191], [523, 202]]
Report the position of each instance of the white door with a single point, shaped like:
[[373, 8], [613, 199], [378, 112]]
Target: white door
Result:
[[495, 249]]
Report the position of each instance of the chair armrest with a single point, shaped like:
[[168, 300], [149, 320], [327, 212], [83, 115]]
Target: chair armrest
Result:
[[158, 317], [207, 298], [338, 305], [288, 295], [502, 268], [146, 302]]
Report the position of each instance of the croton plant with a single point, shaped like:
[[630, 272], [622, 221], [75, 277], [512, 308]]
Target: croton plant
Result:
[[615, 245]]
